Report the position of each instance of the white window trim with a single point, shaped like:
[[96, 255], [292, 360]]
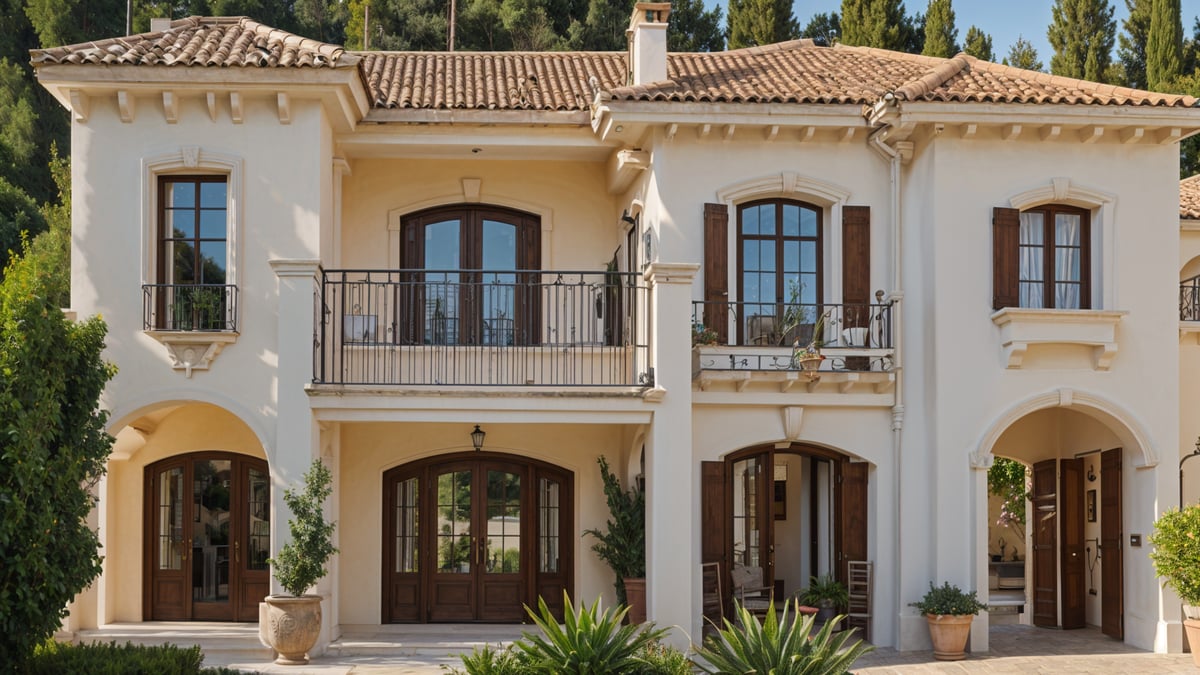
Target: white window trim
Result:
[[192, 160], [830, 197], [1102, 206]]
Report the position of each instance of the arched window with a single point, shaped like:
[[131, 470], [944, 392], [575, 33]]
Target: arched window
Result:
[[471, 276], [779, 268]]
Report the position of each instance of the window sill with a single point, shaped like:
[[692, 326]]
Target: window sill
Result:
[[193, 350], [1093, 329], [1187, 328]]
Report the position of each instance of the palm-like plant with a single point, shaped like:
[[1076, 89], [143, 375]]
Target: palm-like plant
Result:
[[783, 646], [591, 641]]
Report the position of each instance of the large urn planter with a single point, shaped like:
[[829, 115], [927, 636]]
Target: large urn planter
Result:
[[1192, 626], [949, 633], [292, 627], [635, 597]]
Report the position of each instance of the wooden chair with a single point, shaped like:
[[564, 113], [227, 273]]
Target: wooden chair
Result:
[[858, 586], [749, 589], [712, 603]]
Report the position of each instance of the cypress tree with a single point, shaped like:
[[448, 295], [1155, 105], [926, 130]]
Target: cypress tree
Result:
[[875, 23], [1164, 44], [940, 34], [979, 44], [761, 22], [1082, 33], [1132, 41], [1023, 55], [853, 22]]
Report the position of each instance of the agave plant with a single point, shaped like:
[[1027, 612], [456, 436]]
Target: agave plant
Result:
[[783, 646], [489, 661], [591, 641]]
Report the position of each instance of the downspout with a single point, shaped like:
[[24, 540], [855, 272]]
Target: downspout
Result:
[[892, 157]]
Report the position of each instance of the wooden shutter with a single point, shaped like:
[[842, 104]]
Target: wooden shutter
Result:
[[1112, 600], [856, 265], [713, 522], [851, 537], [716, 270], [1044, 521], [1072, 555], [1006, 244]]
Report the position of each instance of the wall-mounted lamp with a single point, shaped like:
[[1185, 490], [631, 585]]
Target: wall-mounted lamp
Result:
[[628, 218], [477, 437], [1091, 473]]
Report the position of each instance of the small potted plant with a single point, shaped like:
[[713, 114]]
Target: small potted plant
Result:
[[949, 612], [826, 594], [622, 543], [809, 357], [1176, 557], [703, 335], [294, 620]]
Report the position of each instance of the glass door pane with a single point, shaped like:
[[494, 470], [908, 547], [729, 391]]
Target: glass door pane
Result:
[[454, 522], [170, 519], [258, 547], [498, 282], [407, 518], [210, 531], [503, 544], [443, 254]]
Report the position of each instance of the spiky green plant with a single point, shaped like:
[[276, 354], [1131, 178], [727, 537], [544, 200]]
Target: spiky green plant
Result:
[[783, 646], [487, 660], [590, 641]]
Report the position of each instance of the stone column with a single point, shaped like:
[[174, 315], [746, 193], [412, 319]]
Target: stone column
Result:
[[672, 497]]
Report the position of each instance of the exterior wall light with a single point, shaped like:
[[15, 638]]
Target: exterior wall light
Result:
[[477, 437]]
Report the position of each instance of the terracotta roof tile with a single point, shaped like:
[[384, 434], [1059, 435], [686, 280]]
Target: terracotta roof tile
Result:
[[204, 41], [1189, 198]]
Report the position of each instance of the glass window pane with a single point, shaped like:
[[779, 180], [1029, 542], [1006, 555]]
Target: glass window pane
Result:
[[791, 256], [213, 195], [258, 500], [442, 245], [212, 261], [808, 223], [808, 256], [213, 224], [1067, 229], [1032, 294], [210, 531], [499, 245], [1032, 267], [503, 542], [454, 522], [181, 195], [170, 519], [750, 255], [791, 220], [808, 289], [1033, 228], [750, 220], [766, 256], [549, 511], [766, 218], [181, 264], [1066, 264], [407, 526], [1067, 295], [181, 223], [746, 479]]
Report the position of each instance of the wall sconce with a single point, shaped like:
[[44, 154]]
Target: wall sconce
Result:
[[477, 437], [1091, 473], [632, 220]]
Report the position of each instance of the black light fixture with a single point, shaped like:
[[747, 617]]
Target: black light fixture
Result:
[[632, 220], [477, 437], [1091, 474]]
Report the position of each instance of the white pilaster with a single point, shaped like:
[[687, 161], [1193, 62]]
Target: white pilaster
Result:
[[672, 498]]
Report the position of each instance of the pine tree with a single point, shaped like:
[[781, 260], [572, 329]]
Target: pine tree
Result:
[[1023, 55], [692, 28], [1164, 45], [1132, 41], [823, 29], [979, 44], [1082, 33], [940, 34], [878, 23], [760, 22]]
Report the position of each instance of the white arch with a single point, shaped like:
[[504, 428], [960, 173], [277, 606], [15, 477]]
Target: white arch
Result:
[[126, 413], [786, 184], [1120, 421]]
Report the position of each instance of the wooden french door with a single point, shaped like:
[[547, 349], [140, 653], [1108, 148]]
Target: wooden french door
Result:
[[208, 537], [1112, 601], [1045, 544], [1072, 555], [475, 537]]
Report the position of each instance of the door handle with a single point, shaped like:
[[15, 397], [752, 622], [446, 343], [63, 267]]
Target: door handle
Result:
[[237, 550]]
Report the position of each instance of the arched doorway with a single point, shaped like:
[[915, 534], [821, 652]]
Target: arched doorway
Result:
[[784, 515], [475, 536], [207, 537]]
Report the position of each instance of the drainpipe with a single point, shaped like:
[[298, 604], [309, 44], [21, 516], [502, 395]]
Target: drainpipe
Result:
[[892, 157]]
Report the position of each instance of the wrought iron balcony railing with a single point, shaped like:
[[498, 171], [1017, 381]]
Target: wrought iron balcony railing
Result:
[[851, 337], [473, 327], [190, 307], [1189, 299]]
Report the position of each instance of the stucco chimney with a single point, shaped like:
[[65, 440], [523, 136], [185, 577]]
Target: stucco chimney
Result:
[[160, 24], [648, 42]]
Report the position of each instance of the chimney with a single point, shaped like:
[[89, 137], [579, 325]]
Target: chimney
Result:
[[160, 24], [648, 42]]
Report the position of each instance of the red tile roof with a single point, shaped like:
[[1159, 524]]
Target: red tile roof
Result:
[[1189, 198]]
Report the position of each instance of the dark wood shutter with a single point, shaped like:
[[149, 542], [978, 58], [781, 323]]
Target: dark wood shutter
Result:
[[1071, 557], [851, 534], [716, 270], [1112, 600], [714, 520], [1006, 244], [856, 265], [1044, 521]]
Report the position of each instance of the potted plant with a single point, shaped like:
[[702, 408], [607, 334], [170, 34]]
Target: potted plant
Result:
[[622, 543], [809, 357], [826, 594], [1176, 558], [294, 619], [949, 612]]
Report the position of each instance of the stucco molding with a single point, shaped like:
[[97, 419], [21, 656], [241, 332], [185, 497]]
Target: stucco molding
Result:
[[1103, 205], [1118, 419], [1022, 328], [192, 351], [786, 184], [148, 401]]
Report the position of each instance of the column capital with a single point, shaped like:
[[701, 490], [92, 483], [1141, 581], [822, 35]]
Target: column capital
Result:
[[671, 273], [295, 267]]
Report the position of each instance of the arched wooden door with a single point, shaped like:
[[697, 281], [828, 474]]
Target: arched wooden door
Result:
[[208, 537], [475, 537]]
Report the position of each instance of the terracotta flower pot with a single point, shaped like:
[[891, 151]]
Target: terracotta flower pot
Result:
[[1192, 626], [949, 633], [635, 595], [293, 626]]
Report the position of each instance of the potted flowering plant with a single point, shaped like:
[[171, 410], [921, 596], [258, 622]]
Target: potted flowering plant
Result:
[[1176, 558], [949, 612]]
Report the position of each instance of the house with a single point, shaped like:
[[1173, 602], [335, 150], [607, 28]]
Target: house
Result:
[[305, 252]]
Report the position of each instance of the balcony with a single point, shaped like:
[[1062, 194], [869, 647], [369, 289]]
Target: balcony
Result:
[[747, 342], [524, 328], [193, 321]]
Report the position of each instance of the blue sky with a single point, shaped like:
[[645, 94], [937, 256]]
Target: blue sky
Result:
[[1004, 20]]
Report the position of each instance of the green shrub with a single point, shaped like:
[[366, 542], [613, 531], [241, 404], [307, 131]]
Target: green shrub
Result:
[[825, 591], [301, 561], [622, 543], [591, 641], [659, 659], [53, 658], [488, 661], [1176, 554], [783, 646], [947, 599]]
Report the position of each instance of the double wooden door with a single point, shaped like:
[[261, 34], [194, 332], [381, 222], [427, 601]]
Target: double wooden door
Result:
[[208, 537], [475, 537]]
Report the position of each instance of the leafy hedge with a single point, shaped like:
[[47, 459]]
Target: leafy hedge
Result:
[[53, 658]]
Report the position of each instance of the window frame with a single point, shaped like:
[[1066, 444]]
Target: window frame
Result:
[[779, 238], [1049, 247]]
